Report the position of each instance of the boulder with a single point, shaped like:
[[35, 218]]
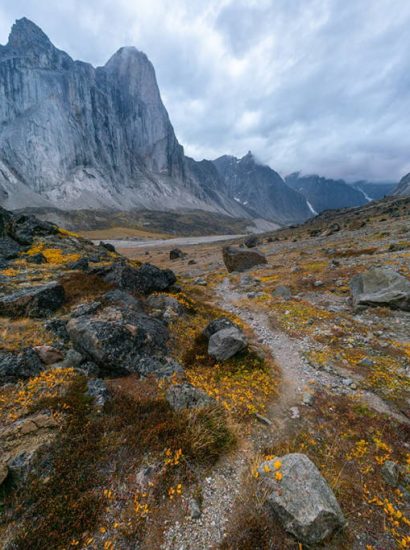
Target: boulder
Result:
[[226, 343], [380, 287], [143, 280], [36, 301], [176, 254], [116, 340], [391, 473], [186, 396], [251, 241], [19, 366], [48, 354], [301, 498], [217, 325], [237, 259]]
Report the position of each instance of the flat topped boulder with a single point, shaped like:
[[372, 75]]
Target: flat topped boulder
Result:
[[116, 339], [240, 259], [36, 301], [142, 280], [301, 498], [380, 286]]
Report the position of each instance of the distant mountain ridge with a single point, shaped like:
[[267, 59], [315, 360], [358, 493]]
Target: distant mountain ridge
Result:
[[258, 187], [325, 194]]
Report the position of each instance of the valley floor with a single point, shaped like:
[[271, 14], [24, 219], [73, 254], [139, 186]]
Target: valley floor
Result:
[[317, 379]]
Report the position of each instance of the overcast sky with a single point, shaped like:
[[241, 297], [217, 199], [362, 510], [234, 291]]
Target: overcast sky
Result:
[[321, 86]]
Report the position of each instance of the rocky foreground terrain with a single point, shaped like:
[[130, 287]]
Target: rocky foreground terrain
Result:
[[255, 396]]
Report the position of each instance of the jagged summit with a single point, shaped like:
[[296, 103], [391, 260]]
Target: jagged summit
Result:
[[25, 33]]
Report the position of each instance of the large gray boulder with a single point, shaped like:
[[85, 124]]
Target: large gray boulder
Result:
[[226, 343], [380, 287], [301, 498], [239, 259], [116, 340], [186, 396], [36, 301]]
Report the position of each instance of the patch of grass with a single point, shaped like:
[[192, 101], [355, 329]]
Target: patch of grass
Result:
[[95, 458], [21, 333], [82, 287]]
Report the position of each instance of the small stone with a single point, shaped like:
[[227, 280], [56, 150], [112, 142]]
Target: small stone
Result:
[[194, 509], [347, 381], [366, 362], [200, 281], [49, 355], [390, 473], [294, 413], [263, 419], [307, 399]]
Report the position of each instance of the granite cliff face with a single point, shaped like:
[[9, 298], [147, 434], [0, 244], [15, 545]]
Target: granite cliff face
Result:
[[74, 136], [258, 187]]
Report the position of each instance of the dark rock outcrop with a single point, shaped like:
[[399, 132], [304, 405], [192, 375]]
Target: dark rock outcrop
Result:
[[237, 259], [116, 340], [19, 366], [143, 280], [36, 301]]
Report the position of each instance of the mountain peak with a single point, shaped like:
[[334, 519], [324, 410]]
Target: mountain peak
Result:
[[25, 33]]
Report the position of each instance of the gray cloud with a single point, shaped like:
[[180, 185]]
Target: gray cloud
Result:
[[317, 85]]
